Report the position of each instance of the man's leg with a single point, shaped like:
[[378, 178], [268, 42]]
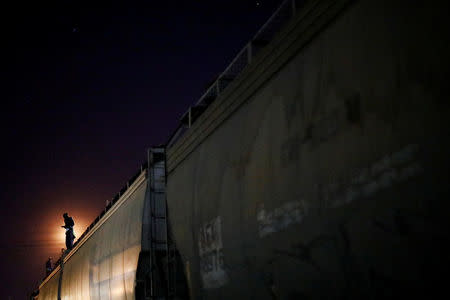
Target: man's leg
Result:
[[71, 238], [68, 240]]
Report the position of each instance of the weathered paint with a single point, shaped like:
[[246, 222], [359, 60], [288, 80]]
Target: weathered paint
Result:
[[280, 218], [211, 254], [326, 161], [382, 174]]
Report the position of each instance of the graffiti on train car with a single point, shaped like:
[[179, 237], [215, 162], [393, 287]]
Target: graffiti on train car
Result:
[[211, 254], [282, 217], [383, 173]]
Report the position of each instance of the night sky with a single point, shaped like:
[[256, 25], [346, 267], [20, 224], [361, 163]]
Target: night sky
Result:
[[88, 90]]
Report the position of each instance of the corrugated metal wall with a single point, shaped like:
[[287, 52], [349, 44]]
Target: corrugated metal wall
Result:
[[329, 180], [104, 267], [50, 290]]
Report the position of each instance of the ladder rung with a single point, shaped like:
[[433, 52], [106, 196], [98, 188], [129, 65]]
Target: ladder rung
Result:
[[158, 217], [159, 242], [156, 192]]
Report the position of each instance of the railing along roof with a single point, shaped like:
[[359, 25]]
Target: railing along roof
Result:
[[265, 34]]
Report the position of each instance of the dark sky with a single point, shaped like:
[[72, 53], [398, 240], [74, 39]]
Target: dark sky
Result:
[[88, 89]]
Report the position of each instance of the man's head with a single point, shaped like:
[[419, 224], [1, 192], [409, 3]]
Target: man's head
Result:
[[65, 215]]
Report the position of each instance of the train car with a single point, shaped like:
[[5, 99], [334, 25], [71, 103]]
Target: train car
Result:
[[124, 253], [314, 167], [321, 171]]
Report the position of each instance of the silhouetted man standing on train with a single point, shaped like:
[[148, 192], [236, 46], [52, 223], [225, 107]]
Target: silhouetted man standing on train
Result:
[[68, 225]]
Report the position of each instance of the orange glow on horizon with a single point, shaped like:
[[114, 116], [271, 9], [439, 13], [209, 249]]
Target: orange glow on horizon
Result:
[[52, 236]]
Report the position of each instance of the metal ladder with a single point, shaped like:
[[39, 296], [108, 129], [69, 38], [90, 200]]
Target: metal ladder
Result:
[[171, 264], [161, 253]]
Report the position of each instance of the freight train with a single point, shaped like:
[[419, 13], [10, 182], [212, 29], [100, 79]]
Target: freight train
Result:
[[316, 166]]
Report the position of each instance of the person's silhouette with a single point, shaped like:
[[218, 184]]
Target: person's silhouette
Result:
[[68, 225], [49, 266]]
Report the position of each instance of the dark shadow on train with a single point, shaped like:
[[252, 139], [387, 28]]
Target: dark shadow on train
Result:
[[167, 279]]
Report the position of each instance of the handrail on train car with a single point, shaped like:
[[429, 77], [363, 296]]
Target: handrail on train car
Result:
[[286, 10]]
